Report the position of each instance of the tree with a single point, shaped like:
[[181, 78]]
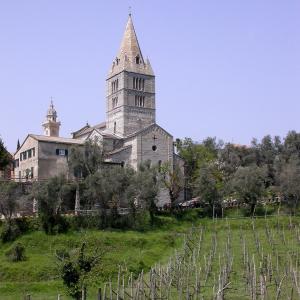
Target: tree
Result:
[[75, 266], [291, 146], [173, 180], [197, 154], [248, 183], [289, 180], [50, 196], [144, 189], [106, 188], [4, 156], [10, 193], [208, 186], [87, 159], [232, 156]]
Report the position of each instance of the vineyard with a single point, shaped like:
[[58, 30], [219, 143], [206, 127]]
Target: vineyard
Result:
[[248, 259]]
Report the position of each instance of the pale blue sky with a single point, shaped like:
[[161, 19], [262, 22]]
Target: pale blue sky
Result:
[[229, 69]]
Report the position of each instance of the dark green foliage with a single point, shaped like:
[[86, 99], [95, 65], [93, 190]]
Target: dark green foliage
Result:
[[14, 228], [137, 268], [10, 193], [173, 180], [208, 187], [74, 269], [10, 231], [86, 160], [24, 224], [51, 197], [16, 253], [289, 180], [248, 183], [5, 158]]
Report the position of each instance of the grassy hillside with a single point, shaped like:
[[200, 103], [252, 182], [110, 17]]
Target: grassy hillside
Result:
[[38, 275]]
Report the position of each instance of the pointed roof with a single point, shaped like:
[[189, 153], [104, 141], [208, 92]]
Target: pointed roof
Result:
[[130, 46], [130, 57]]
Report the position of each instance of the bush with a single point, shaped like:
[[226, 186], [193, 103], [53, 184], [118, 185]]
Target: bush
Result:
[[10, 232], [16, 253], [24, 224], [137, 268], [83, 222], [190, 215], [54, 224]]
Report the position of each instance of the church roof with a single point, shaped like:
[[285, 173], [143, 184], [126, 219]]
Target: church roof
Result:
[[119, 149], [54, 139], [150, 127], [130, 45], [88, 128], [130, 57]]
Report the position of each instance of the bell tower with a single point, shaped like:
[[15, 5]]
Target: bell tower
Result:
[[51, 124], [130, 94]]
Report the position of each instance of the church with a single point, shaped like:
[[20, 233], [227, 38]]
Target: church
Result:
[[129, 134]]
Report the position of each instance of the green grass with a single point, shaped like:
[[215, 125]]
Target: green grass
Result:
[[38, 275]]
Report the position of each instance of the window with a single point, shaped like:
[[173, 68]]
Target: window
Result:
[[62, 152], [33, 152], [139, 101], [137, 59], [114, 102], [115, 85], [24, 155], [154, 147], [17, 163], [115, 127], [31, 172], [27, 173], [29, 152], [138, 83]]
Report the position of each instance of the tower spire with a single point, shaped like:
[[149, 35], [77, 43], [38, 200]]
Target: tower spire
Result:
[[130, 57], [130, 47], [51, 125]]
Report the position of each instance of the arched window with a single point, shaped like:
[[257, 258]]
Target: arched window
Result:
[[137, 59]]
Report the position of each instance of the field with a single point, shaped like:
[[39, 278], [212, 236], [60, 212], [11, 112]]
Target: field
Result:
[[214, 259]]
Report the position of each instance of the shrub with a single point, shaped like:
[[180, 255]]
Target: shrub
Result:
[[16, 253], [54, 224], [24, 224], [9, 232]]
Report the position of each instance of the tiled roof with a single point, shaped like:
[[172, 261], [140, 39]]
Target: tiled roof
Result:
[[87, 129], [53, 139], [119, 150]]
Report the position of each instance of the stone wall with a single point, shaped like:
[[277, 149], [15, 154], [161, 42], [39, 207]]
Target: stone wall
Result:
[[28, 163]]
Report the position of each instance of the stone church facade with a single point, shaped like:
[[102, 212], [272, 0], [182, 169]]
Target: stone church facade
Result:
[[130, 133]]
